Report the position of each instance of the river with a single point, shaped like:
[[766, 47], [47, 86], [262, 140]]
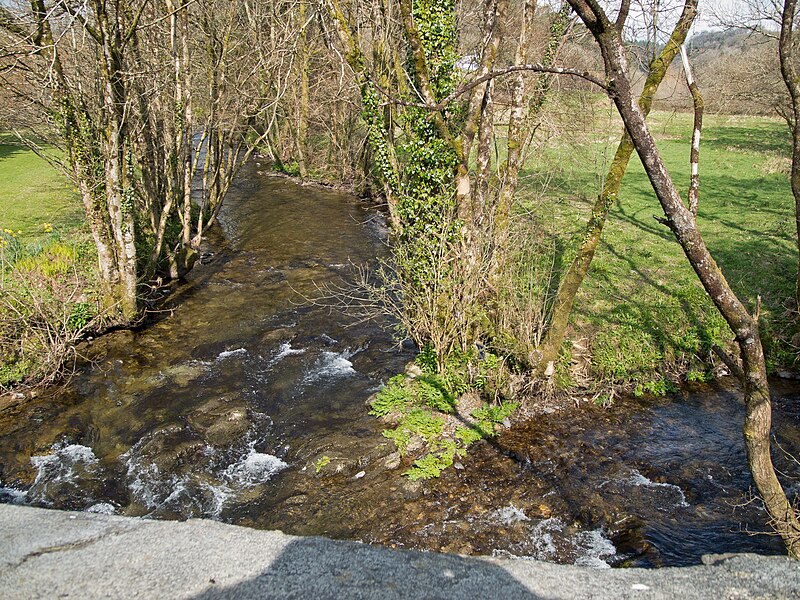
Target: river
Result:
[[243, 401]]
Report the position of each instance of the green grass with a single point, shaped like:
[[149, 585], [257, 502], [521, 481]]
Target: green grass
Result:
[[47, 270], [32, 193], [641, 306]]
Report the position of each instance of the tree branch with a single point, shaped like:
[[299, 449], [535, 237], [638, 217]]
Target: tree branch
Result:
[[421, 67], [622, 16], [90, 29], [463, 89], [694, 159]]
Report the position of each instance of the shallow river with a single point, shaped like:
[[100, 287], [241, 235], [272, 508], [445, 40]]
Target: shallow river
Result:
[[226, 405]]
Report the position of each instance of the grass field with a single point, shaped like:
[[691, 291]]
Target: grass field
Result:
[[32, 193], [47, 269], [641, 310]]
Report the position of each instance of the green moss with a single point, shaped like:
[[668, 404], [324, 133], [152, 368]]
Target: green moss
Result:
[[469, 435], [321, 463], [432, 464], [433, 393], [423, 423], [658, 387], [489, 416], [400, 437]]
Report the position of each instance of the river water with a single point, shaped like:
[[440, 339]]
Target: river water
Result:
[[245, 402]]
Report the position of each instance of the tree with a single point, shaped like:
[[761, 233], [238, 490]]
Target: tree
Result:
[[786, 47], [571, 282], [682, 221], [139, 98], [432, 126]]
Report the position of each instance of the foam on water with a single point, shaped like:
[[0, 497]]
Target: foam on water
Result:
[[216, 477], [544, 547], [11, 495], [638, 479], [61, 464], [551, 540], [61, 476], [592, 547], [331, 365], [102, 508], [284, 350], [229, 353], [254, 468], [510, 514]]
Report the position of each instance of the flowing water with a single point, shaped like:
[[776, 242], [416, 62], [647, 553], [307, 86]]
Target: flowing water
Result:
[[245, 402]]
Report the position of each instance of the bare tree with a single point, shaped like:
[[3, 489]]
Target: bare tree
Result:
[[681, 219], [143, 97], [547, 353], [448, 128], [786, 52]]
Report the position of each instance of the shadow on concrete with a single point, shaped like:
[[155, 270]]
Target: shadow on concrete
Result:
[[319, 568]]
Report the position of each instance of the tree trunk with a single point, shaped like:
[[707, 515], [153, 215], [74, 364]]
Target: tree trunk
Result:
[[303, 99], [792, 81], [684, 226], [573, 279]]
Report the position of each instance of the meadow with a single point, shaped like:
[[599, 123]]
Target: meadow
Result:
[[641, 314], [33, 193]]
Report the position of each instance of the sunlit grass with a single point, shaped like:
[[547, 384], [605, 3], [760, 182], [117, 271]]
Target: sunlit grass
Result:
[[642, 304], [33, 194]]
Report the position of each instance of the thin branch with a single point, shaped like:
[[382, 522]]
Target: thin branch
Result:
[[622, 16], [90, 29], [463, 89]]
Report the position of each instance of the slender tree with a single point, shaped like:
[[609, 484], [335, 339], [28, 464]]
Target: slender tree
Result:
[[450, 199], [682, 221], [143, 98], [547, 353], [786, 53]]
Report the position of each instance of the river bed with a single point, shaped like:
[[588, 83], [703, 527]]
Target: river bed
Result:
[[244, 402]]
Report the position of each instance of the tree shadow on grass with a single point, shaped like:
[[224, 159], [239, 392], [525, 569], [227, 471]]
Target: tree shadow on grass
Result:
[[322, 568], [657, 320], [767, 138], [755, 261], [9, 150]]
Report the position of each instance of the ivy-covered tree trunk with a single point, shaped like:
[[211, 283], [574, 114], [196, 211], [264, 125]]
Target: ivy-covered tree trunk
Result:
[[449, 198], [683, 223]]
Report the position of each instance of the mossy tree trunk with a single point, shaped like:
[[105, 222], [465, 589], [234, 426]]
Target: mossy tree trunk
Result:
[[542, 358], [449, 191], [683, 223]]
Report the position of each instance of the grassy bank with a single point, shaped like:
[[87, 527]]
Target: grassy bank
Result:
[[641, 313], [32, 193], [47, 270]]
